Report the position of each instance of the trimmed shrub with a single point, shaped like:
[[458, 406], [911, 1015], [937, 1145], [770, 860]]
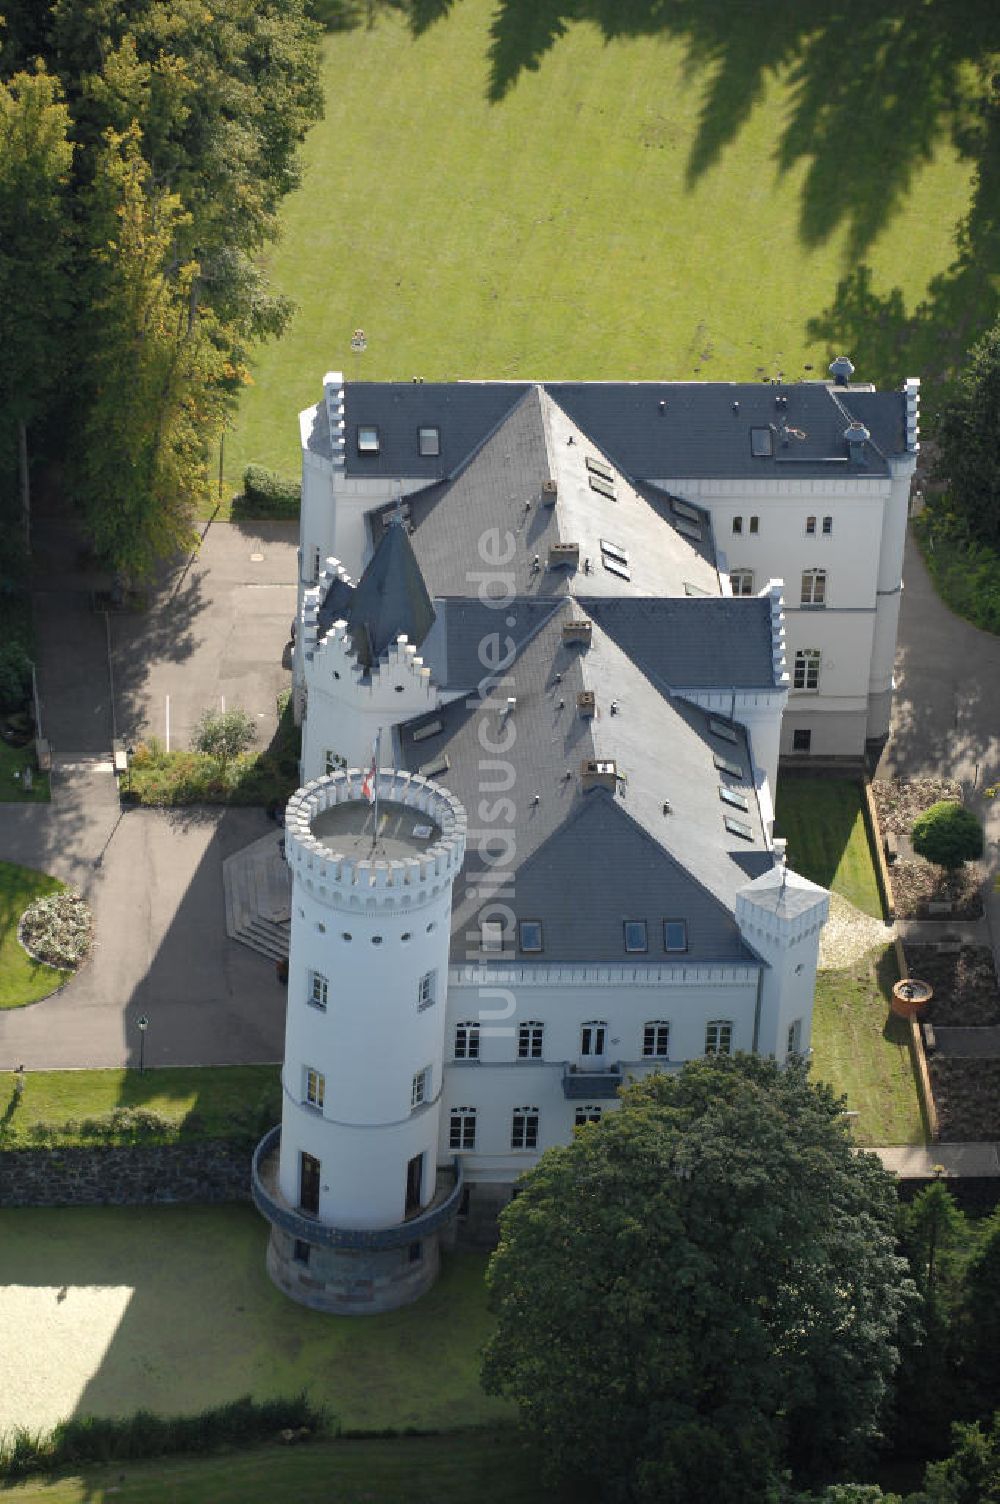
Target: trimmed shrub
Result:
[[948, 834], [94, 1439], [267, 494]]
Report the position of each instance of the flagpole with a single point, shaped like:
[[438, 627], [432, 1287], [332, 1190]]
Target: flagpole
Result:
[[378, 754]]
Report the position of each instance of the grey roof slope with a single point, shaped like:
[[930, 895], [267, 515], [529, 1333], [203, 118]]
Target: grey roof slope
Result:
[[696, 433], [683, 863], [496, 507], [723, 643], [390, 598]]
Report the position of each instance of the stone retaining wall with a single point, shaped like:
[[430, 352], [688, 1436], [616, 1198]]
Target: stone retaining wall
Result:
[[126, 1175]]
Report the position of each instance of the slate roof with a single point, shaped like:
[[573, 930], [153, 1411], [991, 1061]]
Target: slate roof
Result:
[[696, 433], [583, 861], [692, 644], [389, 599]]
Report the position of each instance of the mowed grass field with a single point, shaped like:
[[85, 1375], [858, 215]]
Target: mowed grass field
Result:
[[822, 820], [657, 192], [23, 980], [170, 1309]]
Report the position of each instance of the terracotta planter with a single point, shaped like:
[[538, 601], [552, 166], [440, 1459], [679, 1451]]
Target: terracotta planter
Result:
[[910, 997]]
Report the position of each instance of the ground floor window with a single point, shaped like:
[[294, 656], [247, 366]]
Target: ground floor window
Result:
[[462, 1128], [719, 1037], [300, 1251], [656, 1039], [588, 1113], [794, 1042], [524, 1128], [802, 739]]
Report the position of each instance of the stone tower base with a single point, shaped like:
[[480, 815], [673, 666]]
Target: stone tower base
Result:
[[350, 1282]]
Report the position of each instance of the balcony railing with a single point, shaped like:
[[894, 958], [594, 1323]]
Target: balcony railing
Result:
[[298, 1224], [592, 1086]]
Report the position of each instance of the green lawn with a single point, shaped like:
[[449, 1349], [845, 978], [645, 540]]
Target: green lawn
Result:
[[14, 760], [646, 191], [200, 1102], [827, 839], [21, 979], [170, 1308], [863, 1050], [494, 1465]]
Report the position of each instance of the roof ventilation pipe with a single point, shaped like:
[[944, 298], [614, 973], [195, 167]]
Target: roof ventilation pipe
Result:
[[857, 437], [842, 369]]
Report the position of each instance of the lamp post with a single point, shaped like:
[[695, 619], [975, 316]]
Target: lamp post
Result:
[[143, 1026]]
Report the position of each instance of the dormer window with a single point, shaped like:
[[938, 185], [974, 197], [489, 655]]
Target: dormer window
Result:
[[429, 442], [368, 442], [761, 442]]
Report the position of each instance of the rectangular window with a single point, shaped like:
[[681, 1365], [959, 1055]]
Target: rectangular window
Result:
[[367, 439], [318, 989], [813, 587], [333, 761], [524, 1128], [300, 1251], [427, 991], [802, 740], [315, 564], [656, 1040], [730, 796], [719, 1037], [467, 1041], [741, 581], [315, 1087], [675, 934], [635, 935], [738, 827], [726, 765], [590, 1113], [414, 1184], [531, 934], [684, 510], [761, 443], [755, 524], [810, 526], [462, 1128], [794, 1042], [721, 729], [429, 442], [529, 1040], [737, 524], [491, 932], [827, 526], [806, 672], [420, 1087], [613, 551], [592, 1039]]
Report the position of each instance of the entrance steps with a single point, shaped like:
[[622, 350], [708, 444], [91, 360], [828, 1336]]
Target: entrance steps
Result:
[[258, 891]]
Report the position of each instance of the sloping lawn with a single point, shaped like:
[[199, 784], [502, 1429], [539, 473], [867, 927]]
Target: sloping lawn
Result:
[[464, 1468], [170, 1308], [194, 1103], [822, 821], [644, 192], [23, 980], [862, 1050]]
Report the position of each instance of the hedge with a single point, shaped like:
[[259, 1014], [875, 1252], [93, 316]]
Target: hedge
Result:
[[270, 495]]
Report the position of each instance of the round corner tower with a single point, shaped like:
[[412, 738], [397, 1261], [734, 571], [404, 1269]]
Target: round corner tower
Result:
[[350, 1181]]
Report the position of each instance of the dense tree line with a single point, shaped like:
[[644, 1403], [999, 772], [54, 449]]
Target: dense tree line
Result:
[[145, 147], [709, 1296]]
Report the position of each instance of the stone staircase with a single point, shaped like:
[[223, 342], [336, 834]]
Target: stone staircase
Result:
[[258, 889]]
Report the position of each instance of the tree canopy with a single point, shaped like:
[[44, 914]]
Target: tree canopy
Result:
[[702, 1286], [968, 439]]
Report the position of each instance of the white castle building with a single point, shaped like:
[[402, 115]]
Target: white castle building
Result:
[[571, 878]]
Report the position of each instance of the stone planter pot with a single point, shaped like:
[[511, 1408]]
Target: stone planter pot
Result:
[[910, 997]]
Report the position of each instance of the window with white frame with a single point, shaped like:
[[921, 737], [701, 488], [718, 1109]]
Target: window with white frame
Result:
[[719, 1037], [429, 441], [589, 1112], [529, 1040], [427, 990], [462, 1128], [755, 524], [524, 1128], [794, 1043], [368, 440], [420, 1088], [813, 587], [805, 674], [827, 526], [656, 1040], [333, 761], [314, 1088], [467, 1040], [741, 581], [319, 988], [810, 526], [593, 1037], [635, 935], [530, 934]]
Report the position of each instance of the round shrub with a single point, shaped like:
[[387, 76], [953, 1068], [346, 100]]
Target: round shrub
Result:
[[57, 930], [948, 834]]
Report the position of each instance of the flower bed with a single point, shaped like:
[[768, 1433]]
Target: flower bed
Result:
[[57, 930], [965, 984], [967, 1097], [917, 883]]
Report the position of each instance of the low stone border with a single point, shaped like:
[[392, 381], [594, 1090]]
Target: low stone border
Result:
[[919, 1055], [875, 838], [41, 960]]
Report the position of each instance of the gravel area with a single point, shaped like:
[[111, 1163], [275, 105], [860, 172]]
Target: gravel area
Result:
[[900, 800], [53, 1341], [847, 934]]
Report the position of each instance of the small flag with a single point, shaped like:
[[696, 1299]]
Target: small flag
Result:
[[368, 787]]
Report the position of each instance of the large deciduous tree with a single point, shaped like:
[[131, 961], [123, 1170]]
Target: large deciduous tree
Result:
[[701, 1289], [968, 439]]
